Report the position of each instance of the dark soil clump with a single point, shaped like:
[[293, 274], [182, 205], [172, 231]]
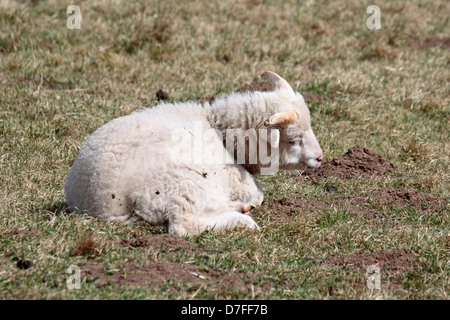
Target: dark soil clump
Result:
[[162, 95], [357, 161]]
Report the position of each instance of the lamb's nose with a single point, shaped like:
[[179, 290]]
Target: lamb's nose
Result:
[[320, 158]]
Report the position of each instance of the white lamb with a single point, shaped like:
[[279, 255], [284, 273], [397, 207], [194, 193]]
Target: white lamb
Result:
[[189, 167]]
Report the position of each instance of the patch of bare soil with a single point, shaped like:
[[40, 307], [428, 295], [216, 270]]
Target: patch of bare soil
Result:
[[392, 262], [357, 161], [286, 207], [361, 205], [283, 209], [165, 242], [429, 43], [401, 198], [160, 273]]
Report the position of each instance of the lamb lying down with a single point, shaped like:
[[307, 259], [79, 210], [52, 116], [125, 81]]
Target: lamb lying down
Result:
[[189, 167]]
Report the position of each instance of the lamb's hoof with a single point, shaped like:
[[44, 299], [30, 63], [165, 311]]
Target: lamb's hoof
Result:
[[250, 223]]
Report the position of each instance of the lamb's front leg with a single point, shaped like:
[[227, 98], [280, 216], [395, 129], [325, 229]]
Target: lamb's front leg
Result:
[[192, 224], [244, 187]]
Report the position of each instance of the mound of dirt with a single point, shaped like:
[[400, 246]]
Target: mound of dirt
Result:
[[165, 242], [357, 161], [160, 273], [391, 262]]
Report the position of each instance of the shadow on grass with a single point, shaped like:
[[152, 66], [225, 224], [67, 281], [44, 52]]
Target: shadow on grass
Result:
[[59, 208]]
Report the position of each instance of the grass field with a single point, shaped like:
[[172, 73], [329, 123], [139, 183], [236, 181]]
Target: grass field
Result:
[[387, 90]]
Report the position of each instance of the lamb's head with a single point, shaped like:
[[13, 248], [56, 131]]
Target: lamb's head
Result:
[[290, 125]]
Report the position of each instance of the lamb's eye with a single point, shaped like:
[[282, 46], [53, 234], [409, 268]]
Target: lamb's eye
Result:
[[295, 141]]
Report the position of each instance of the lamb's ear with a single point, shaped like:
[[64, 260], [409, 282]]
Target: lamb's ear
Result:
[[277, 81], [282, 119], [270, 135]]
